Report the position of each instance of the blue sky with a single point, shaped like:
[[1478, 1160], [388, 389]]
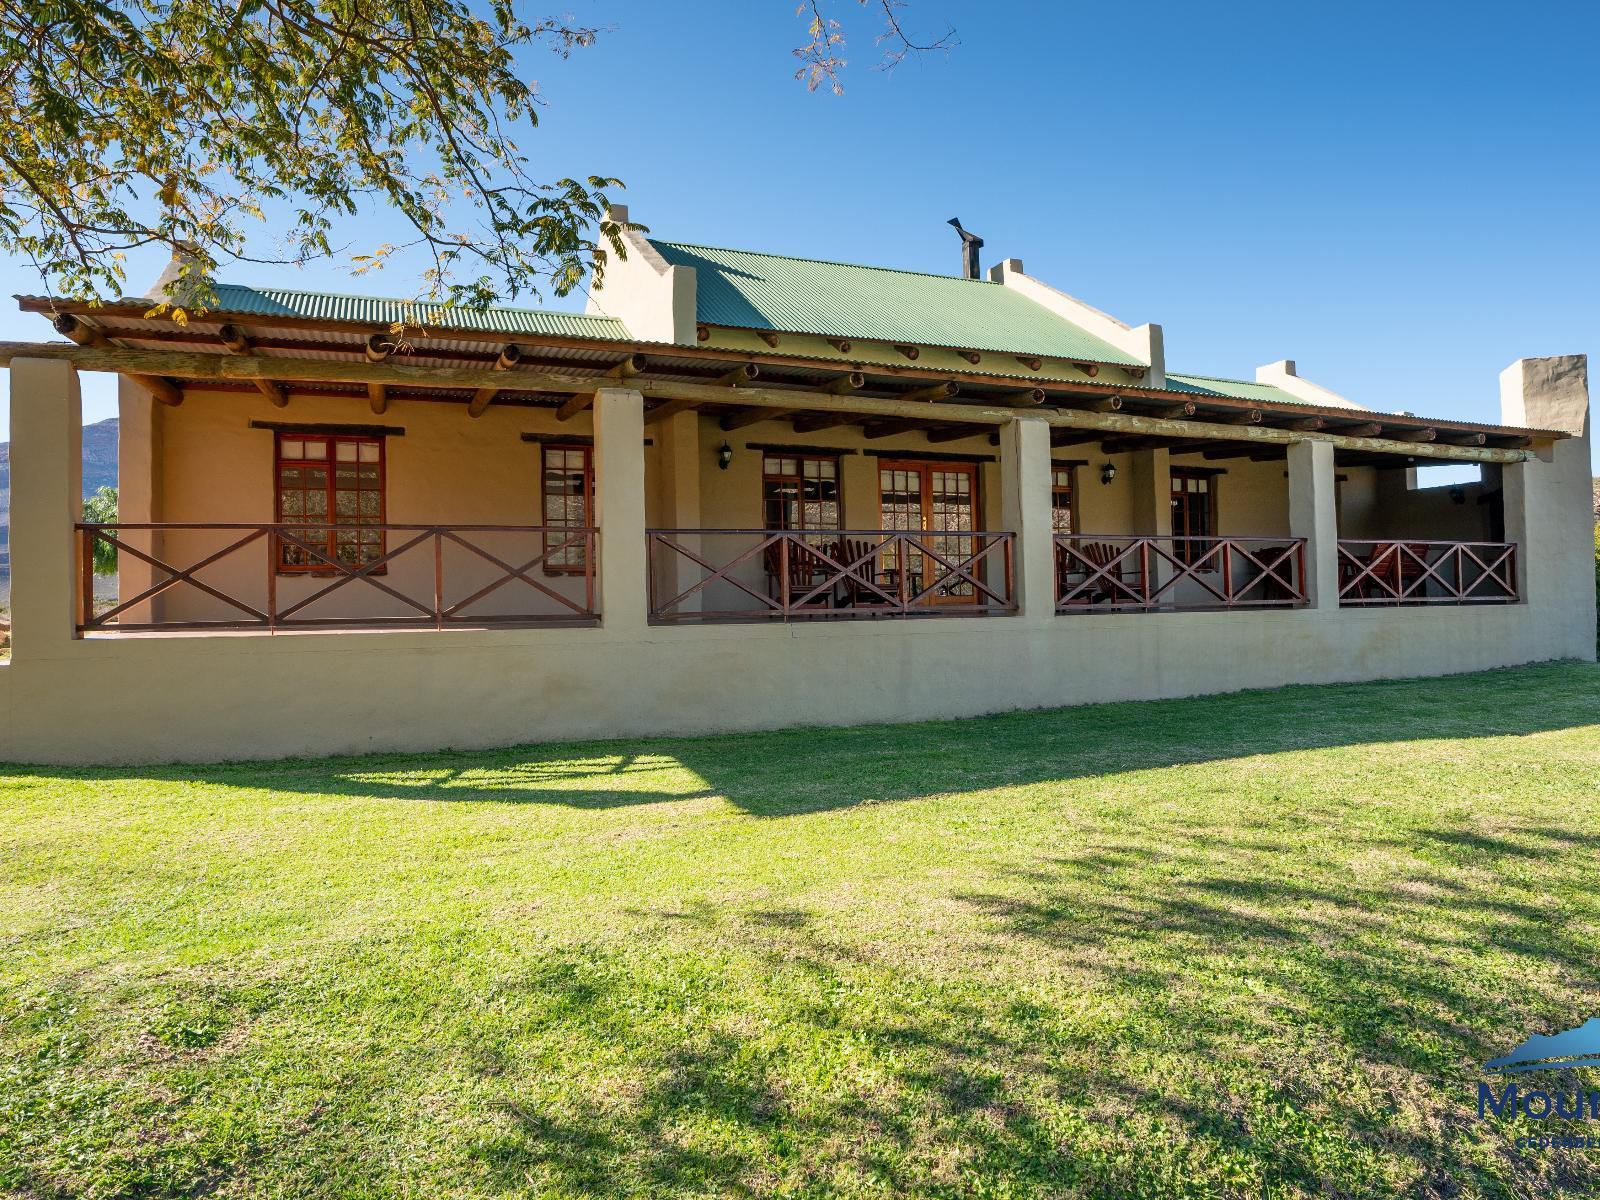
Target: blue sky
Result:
[[1399, 196]]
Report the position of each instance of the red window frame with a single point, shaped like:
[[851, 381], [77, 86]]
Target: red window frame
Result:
[[572, 560], [1064, 497], [290, 561], [799, 480], [1194, 513]]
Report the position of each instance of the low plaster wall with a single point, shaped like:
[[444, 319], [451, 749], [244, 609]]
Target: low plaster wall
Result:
[[165, 698]]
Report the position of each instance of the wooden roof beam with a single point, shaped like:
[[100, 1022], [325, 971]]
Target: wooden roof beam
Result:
[[1185, 409], [1097, 404], [955, 433], [845, 384], [883, 429], [1413, 435], [236, 342], [222, 368], [509, 357], [378, 398], [752, 416], [669, 408], [1074, 437], [633, 365], [84, 334], [1127, 445], [818, 421], [1127, 423], [939, 391]]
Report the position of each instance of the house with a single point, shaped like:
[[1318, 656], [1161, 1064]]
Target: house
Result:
[[741, 491]]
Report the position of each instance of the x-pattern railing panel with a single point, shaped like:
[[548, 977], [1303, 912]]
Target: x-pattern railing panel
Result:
[[837, 573], [1384, 572], [310, 544], [1122, 572]]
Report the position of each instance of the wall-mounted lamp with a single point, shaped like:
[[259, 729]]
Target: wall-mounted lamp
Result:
[[1108, 472], [724, 455]]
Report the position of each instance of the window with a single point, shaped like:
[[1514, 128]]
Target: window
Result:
[[799, 492], [329, 480], [1194, 512], [1063, 499], [568, 490]]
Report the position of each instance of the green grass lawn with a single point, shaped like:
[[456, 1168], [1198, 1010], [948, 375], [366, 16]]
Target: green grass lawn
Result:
[[1251, 946]]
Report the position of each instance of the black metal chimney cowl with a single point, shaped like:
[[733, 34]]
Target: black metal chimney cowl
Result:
[[971, 243]]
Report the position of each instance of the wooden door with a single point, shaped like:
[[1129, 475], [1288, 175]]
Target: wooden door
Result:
[[940, 500]]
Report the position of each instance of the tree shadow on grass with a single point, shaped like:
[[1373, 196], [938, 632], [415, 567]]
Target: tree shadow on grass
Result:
[[813, 770], [1253, 1032]]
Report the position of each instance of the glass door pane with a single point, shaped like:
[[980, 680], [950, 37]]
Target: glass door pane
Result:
[[938, 500]]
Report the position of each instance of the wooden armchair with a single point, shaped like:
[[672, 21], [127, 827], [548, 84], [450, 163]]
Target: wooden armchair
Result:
[[1113, 587]]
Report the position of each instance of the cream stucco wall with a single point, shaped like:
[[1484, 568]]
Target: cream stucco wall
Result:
[[244, 695]]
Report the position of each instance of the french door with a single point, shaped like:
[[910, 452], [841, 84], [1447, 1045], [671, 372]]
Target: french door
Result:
[[939, 499]]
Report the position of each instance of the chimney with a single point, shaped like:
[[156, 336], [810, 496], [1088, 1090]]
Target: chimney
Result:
[[182, 278], [971, 243]]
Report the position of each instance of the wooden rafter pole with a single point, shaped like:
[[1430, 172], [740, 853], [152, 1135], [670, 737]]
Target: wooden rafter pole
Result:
[[377, 399], [820, 421], [509, 357], [670, 409], [86, 335], [630, 366], [883, 429], [232, 337]]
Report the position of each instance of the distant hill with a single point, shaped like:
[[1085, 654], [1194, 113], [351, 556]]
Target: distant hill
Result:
[[99, 470]]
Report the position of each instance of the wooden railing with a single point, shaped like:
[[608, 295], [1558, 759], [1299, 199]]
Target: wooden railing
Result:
[[782, 575], [281, 576], [1417, 572], [1114, 573]]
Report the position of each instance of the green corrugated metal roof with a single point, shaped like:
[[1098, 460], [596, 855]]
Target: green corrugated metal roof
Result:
[[747, 290], [1238, 389], [327, 306]]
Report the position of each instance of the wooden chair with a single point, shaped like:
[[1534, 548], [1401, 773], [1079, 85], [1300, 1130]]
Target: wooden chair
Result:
[[857, 593], [1113, 586], [805, 572]]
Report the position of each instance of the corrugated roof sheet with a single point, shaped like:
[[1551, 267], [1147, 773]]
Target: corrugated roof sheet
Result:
[[328, 306], [1238, 389], [747, 290]]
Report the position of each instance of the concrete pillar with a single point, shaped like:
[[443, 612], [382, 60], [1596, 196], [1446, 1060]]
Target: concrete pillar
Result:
[[680, 461], [619, 489], [860, 491], [1314, 515], [1152, 508], [138, 474], [1547, 500], [1025, 511], [46, 500]]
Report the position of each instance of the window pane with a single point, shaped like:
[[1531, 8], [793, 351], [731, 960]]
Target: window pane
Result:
[[316, 449], [369, 452], [294, 449]]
